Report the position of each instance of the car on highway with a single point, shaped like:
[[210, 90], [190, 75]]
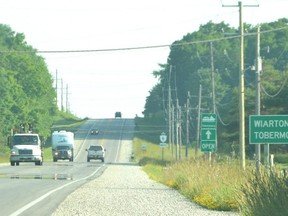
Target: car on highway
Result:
[[118, 115], [94, 131], [95, 152]]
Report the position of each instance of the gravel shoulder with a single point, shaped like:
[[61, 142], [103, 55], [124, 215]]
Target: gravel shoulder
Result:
[[125, 189]]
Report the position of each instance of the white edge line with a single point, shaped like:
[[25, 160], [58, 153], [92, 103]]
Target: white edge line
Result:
[[29, 205]]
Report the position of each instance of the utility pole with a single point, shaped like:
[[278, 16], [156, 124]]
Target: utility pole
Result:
[[67, 104], [173, 128], [213, 89], [170, 111], [241, 84], [212, 78], [198, 122], [241, 90], [187, 124], [177, 129], [258, 95], [62, 92], [56, 86]]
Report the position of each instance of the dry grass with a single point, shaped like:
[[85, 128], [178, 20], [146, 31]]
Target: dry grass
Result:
[[212, 185]]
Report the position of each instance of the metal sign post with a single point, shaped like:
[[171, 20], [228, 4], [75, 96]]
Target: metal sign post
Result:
[[163, 138]]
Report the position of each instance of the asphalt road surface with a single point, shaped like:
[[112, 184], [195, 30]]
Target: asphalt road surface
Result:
[[38, 190]]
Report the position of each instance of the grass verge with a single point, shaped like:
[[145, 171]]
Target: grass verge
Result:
[[210, 185], [218, 185]]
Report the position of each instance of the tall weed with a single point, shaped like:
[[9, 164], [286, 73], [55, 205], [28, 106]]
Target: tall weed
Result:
[[211, 186], [264, 194]]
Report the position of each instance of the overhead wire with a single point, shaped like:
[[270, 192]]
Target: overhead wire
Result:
[[141, 47], [278, 92]]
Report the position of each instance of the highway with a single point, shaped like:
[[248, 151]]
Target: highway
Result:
[[38, 190]]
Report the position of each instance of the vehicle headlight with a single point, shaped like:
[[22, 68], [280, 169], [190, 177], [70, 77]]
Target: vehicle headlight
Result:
[[13, 152], [56, 153]]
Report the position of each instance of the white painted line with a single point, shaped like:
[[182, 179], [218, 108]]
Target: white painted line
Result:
[[29, 205]]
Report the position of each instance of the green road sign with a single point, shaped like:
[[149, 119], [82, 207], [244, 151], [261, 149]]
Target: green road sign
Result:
[[208, 120], [208, 139], [208, 132], [268, 129]]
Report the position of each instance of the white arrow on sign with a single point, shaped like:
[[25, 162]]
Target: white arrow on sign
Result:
[[208, 134]]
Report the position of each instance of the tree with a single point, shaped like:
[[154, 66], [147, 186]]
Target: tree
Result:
[[26, 87]]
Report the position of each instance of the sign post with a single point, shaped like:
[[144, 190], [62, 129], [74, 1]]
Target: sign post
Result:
[[208, 132], [163, 138]]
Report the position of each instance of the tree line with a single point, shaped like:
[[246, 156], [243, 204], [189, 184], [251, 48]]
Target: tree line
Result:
[[213, 52], [26, 86]]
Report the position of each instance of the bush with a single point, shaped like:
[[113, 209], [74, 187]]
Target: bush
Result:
[[281, 158], [264, 194]]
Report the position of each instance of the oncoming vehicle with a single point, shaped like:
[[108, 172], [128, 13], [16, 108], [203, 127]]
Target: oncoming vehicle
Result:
[[94, 131], [25, 147], [118, 115], [95, 152], [62, 145]]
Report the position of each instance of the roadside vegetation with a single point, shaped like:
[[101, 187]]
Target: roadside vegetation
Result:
[[217, 184]]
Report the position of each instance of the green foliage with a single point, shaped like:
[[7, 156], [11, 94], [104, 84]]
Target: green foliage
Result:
[[264, 194], [26, 86], [189, 66], [212, 186], [150, 127], [220, 184], [27, 92], [281, 158]]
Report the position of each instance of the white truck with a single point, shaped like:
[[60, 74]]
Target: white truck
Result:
[[25, 147], [62, 145]]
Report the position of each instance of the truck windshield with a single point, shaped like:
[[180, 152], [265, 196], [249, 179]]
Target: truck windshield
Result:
[[63, 148], [24, 140]]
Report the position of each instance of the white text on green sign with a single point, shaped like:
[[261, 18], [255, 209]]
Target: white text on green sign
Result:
[[208, 120], [272, 129]]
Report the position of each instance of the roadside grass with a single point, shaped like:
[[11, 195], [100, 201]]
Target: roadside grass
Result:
[[211, 185], [47, 154], [218, 185], [265, 194], [70, 124]]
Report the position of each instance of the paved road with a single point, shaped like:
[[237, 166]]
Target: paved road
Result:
[[124, 189], [38, 190]]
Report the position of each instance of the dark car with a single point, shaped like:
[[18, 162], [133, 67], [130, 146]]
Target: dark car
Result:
[[94, 131], [118, 115]]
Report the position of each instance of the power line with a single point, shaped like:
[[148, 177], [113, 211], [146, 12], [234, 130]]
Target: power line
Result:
[[140, 47]]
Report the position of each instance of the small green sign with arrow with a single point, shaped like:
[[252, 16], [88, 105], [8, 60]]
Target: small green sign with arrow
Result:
[[208, 132]]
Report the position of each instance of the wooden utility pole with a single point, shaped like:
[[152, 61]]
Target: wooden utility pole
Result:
[[56, 86], [187, 124], [67, 104], [177, 129], [241, 84], [173, 128], [198, 122], [62, 92], [212, 78], [241, 90], [258, 94], [170, 111]]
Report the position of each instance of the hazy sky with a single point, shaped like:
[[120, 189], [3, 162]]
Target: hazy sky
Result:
[[101, 83]]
